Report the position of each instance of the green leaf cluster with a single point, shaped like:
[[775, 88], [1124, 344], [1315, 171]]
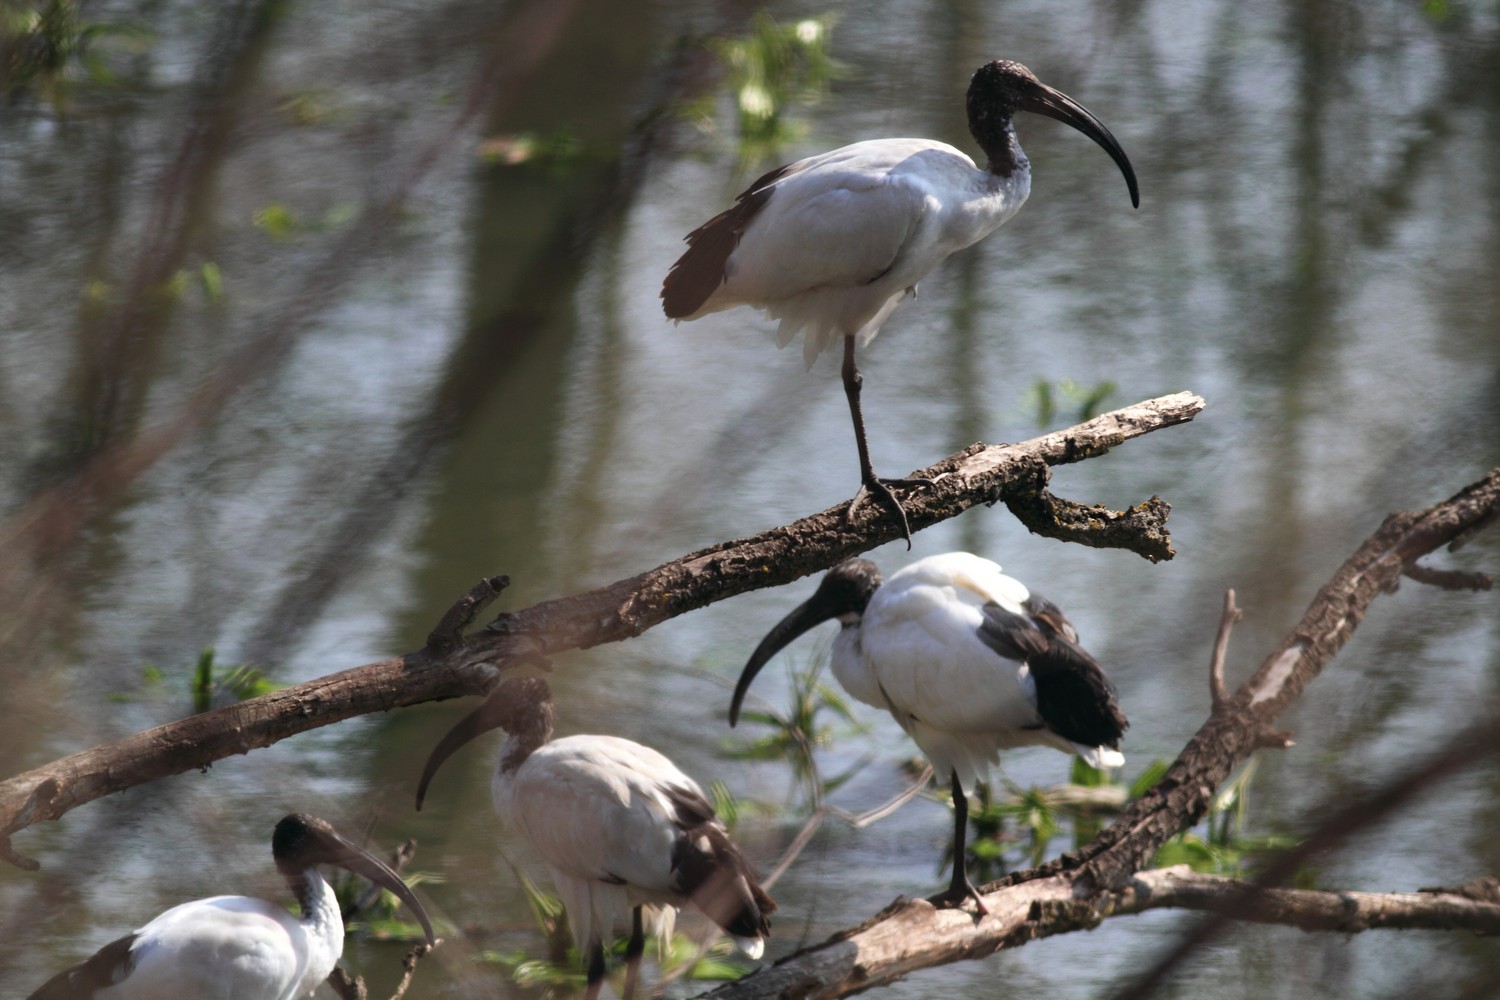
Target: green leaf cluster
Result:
[[800, 730], [1223, 847], [45, 49], [238, 682], [1076, 402], [771, 70]]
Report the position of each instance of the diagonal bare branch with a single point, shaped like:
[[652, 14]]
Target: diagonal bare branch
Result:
[[1232, 614]]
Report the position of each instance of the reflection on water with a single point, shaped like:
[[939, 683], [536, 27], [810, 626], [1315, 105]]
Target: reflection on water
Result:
[[482, 382]]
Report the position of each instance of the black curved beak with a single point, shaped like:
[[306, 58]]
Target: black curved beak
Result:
[[348, 855], [1043, 100], [476, 723], [811, 613]]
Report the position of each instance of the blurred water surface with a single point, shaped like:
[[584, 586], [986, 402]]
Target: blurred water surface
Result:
[[391, 365]]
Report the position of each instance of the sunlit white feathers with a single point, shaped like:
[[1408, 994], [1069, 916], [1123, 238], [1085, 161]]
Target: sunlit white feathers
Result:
[[602, 812], [917, 650], [967, 661], [231, 947], [846, 234], [239, 947], [621, 829]]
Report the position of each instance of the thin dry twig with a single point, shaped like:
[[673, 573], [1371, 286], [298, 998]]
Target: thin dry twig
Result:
[[1342, 912], [354, 988], [796, 847], [367, 898], [1449, 579], [347, 986], [880, 812], [409, 964], [1232, 614]]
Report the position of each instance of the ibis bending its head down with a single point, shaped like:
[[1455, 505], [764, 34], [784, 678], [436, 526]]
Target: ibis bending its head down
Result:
[[239, 947], [967, 660], [830, 245], [619, 826]]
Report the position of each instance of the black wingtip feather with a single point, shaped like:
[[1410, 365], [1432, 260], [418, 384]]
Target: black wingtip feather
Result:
[[699, 272], [105, 967], [1074, 696], [712, 872]]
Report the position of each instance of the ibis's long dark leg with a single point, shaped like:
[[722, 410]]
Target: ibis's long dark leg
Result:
[[960, 888], [596, 969], [633, 951], [872, 483]]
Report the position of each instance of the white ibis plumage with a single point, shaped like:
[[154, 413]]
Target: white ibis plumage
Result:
[[239, 947], [618, 825], [831, 244], [967, 660]]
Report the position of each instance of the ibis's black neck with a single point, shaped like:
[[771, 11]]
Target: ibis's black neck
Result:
[[996, 92], [1001, 147], [525, 736], [307, 888]]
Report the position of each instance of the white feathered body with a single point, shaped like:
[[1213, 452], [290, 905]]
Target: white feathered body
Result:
[[234, 948], [916, 652], [847, 234], [599, 811]]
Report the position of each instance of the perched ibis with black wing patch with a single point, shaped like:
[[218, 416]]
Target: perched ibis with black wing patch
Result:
[[240, 947], [831, 244], [967, 660], [621, 829]]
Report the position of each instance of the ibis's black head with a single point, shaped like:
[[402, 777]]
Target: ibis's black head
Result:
[[846, 589], [1001, 88], [843, 594], [302, 842], [522, 706]]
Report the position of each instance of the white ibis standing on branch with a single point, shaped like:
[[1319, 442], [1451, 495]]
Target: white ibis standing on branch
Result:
[[967, 660], [621, 829], [239, 947], [830, 245]]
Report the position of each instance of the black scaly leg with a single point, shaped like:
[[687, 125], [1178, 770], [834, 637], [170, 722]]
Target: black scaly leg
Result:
[[960, 888], [870, 482], [596, 969], [633, 951]]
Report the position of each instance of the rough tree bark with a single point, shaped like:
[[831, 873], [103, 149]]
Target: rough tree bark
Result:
[[1080, 889], [453, 663], [1312, 910]]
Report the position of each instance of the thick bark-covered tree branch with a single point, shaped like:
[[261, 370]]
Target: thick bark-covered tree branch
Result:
[[454, 664], [1075, 891]]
